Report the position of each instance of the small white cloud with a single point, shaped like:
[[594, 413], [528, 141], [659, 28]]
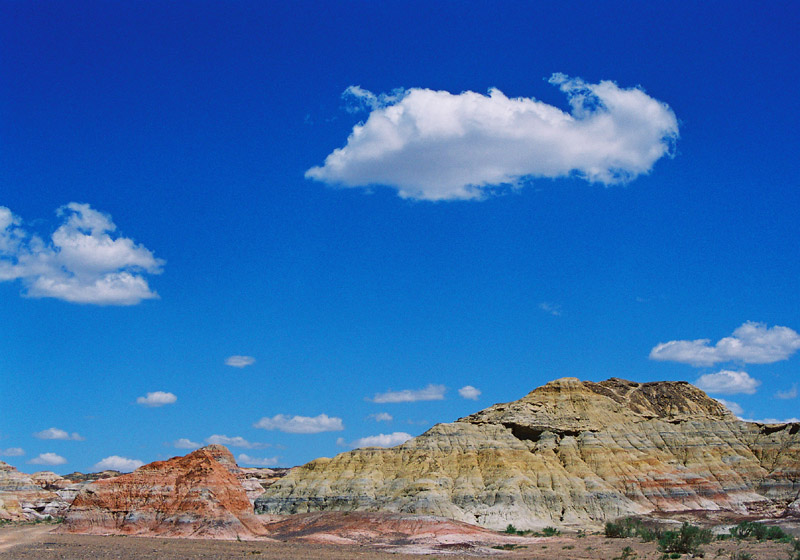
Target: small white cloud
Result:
[[429, 393], [790, 394], [469, 392], [773, 420], [117, 463], [12, 452], [240, 361], [380, 440], [752, 343], [301, 424], [156, 398], [243, 459], [434, 145], [81, 263], [185, 443], [56, 433], [48, 459], [551, 308], [728, 382], [732, 406], [381, 417], [236, 441]]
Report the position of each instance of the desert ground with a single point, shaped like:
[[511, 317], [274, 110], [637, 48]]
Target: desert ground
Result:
[[39, 542]]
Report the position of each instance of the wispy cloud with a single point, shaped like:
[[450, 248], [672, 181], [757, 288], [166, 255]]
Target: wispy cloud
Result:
[[430, 393], [81, 263], [380, 440], [788, 394], [243, 459], [117, 463], [301, 424], [240, 361], [185, 443], [12, 452], [435, 145], [752, 343], [156, 398], [552, 308], [732, 406], [56, 433], [381, 417], [773, 420], [728, 382], [469, 392], [50, 459], [236, 441]]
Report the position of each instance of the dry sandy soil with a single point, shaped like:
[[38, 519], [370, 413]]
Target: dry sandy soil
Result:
[[40, 543]]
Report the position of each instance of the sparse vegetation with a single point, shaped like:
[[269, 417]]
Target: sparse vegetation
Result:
[[626, 554], [759, 531], [687, 540], [741, 555], [511, 530], [509, 546], [550, 532], [632, 527]]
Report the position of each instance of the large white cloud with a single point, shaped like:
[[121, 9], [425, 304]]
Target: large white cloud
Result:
[[156, 398], [436, 145], [752, 343], [469, 392], [728, 382], [301, 424], [430, 393], [236, 441], [50, 459], [117, 463], [57, 433], [81, 263]]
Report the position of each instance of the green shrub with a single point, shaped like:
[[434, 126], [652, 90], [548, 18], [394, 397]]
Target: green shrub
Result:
[[627, 554], [511, 530], [550, 531], [620, 529], [687, 540], [741, 555]]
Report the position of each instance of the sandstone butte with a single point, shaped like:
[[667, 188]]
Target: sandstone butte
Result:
[[24, 497], [197, 495], [569, 453]]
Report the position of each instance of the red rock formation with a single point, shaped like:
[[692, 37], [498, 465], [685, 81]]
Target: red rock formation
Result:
[[198, 495]]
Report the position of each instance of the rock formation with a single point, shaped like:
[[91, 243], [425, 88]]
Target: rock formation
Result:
[[198, 495], [39, 496], [569, 453]]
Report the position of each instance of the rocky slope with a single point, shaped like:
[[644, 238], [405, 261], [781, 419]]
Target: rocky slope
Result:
[[198, 495], [24, 497], [568, 453]]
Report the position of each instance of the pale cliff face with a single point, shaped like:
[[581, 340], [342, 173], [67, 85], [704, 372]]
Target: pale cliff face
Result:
[[568, 453]]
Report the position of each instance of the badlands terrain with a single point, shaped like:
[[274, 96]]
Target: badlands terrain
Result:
[[568, 457]]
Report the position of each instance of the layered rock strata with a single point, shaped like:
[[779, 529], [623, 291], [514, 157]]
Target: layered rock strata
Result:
[[568, 453], [24, 499], [198, 495]]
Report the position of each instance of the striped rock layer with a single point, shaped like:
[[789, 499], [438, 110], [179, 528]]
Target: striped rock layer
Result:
[[198, 495], [570, 453]]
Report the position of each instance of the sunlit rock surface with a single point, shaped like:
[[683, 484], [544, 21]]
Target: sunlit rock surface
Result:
[[568, 453]]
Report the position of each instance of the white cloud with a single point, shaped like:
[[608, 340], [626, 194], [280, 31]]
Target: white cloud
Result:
[[429, 393], [789, 394], [380, 440], [301, 424], [117, 463], [752, 343], [48, 459], [381, 417], [156, 398], [185, 443], [240, 361], [728, 382], [552, 308], [732, 406], [236, 441], [243, 459], [435, 145], [469, 392], [56, 433], [12, 452], [773, 420], [81, 263]]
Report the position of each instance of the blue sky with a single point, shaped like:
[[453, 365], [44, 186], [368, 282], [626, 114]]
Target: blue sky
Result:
[[531, 192]]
